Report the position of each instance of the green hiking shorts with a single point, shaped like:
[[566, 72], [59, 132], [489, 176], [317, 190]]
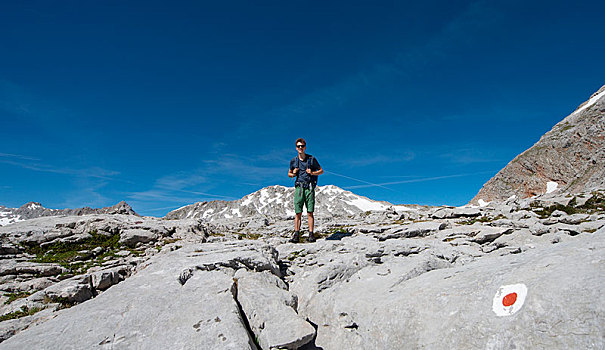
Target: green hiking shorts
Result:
[[304, 197]]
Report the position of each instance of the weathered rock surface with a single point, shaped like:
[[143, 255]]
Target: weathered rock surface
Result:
[[394, 305], [154, 310], [271, 311], [420, 278]]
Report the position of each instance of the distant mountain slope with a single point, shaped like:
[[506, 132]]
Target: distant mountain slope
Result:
[[570, 158], [276, 201], [34, 210]]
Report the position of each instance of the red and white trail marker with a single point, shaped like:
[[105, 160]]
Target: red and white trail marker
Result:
[[509, 299]]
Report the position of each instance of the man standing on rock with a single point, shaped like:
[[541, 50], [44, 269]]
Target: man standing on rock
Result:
[[306, 168]]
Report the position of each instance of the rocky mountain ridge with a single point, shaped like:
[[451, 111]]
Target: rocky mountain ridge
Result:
[[276, 202], [570, 158], [32, 210]]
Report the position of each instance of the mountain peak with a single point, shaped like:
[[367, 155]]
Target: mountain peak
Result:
[[570, 158], [276, 201]]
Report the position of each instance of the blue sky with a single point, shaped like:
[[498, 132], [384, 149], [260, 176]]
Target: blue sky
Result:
[[164, 104]]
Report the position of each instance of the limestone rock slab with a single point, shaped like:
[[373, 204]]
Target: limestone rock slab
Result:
[[271, 311]]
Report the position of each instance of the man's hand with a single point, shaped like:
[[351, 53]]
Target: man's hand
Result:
[[308, 171], [295, 171]]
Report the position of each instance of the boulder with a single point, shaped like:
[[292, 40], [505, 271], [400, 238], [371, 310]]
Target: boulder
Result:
[[453, 213], [29, 268], [131, 237], [488, 234], [101, 280], [412, 230], [574, 219], [73, 290], [271, 311]]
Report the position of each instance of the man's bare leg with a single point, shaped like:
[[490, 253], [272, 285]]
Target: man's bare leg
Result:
[[297, 222], [311, 227]]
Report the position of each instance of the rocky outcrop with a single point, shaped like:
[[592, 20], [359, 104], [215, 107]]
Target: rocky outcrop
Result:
[[159, 309], [506, 275], [570, 158], [422, 301]]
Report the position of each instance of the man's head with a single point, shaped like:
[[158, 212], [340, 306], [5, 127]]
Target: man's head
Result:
[[301, 145]]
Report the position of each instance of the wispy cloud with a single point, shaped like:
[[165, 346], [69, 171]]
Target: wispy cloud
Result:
[[32, 163], [196, 184], [424, 179], [17, 156], [87, 193], [174, 188], [367, 183]]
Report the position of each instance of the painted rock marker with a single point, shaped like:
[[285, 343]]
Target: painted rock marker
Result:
[[509, 299]]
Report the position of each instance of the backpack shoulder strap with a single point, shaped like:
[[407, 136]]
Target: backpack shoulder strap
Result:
[[297, 165]]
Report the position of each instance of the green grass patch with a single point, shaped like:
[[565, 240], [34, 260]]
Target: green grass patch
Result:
[[565, 126], [340, 229], [595, 204], [14, 296], [297, 254], [66, 254], [545, 212], [253, 236], [171, 240], [63, 302], [25, 311]]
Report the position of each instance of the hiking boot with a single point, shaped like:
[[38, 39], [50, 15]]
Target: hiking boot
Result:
[[295, 237], [311, 237]]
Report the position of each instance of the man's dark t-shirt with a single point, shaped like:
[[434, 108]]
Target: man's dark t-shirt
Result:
[[302, 165]]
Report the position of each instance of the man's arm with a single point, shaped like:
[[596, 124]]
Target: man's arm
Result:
[[316, 172], [318, 168], [292, 172]]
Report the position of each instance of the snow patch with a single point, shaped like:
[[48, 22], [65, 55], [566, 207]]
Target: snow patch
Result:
[[551, 186], [590, 102], [482, 203], [9, 220], [207, 213], [399, 208], [247, 201], [366, 204]]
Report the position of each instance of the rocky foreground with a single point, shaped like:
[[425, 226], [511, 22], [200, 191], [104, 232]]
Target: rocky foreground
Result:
[[520, 274]]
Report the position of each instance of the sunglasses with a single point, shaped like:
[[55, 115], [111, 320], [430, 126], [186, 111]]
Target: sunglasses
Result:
[[301, 146]]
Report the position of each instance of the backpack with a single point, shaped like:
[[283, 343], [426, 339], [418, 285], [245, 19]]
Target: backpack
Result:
[[309, 165]]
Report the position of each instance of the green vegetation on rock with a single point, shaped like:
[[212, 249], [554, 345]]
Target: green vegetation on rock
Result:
[[69, 253], [14, 296], [25, 311]]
